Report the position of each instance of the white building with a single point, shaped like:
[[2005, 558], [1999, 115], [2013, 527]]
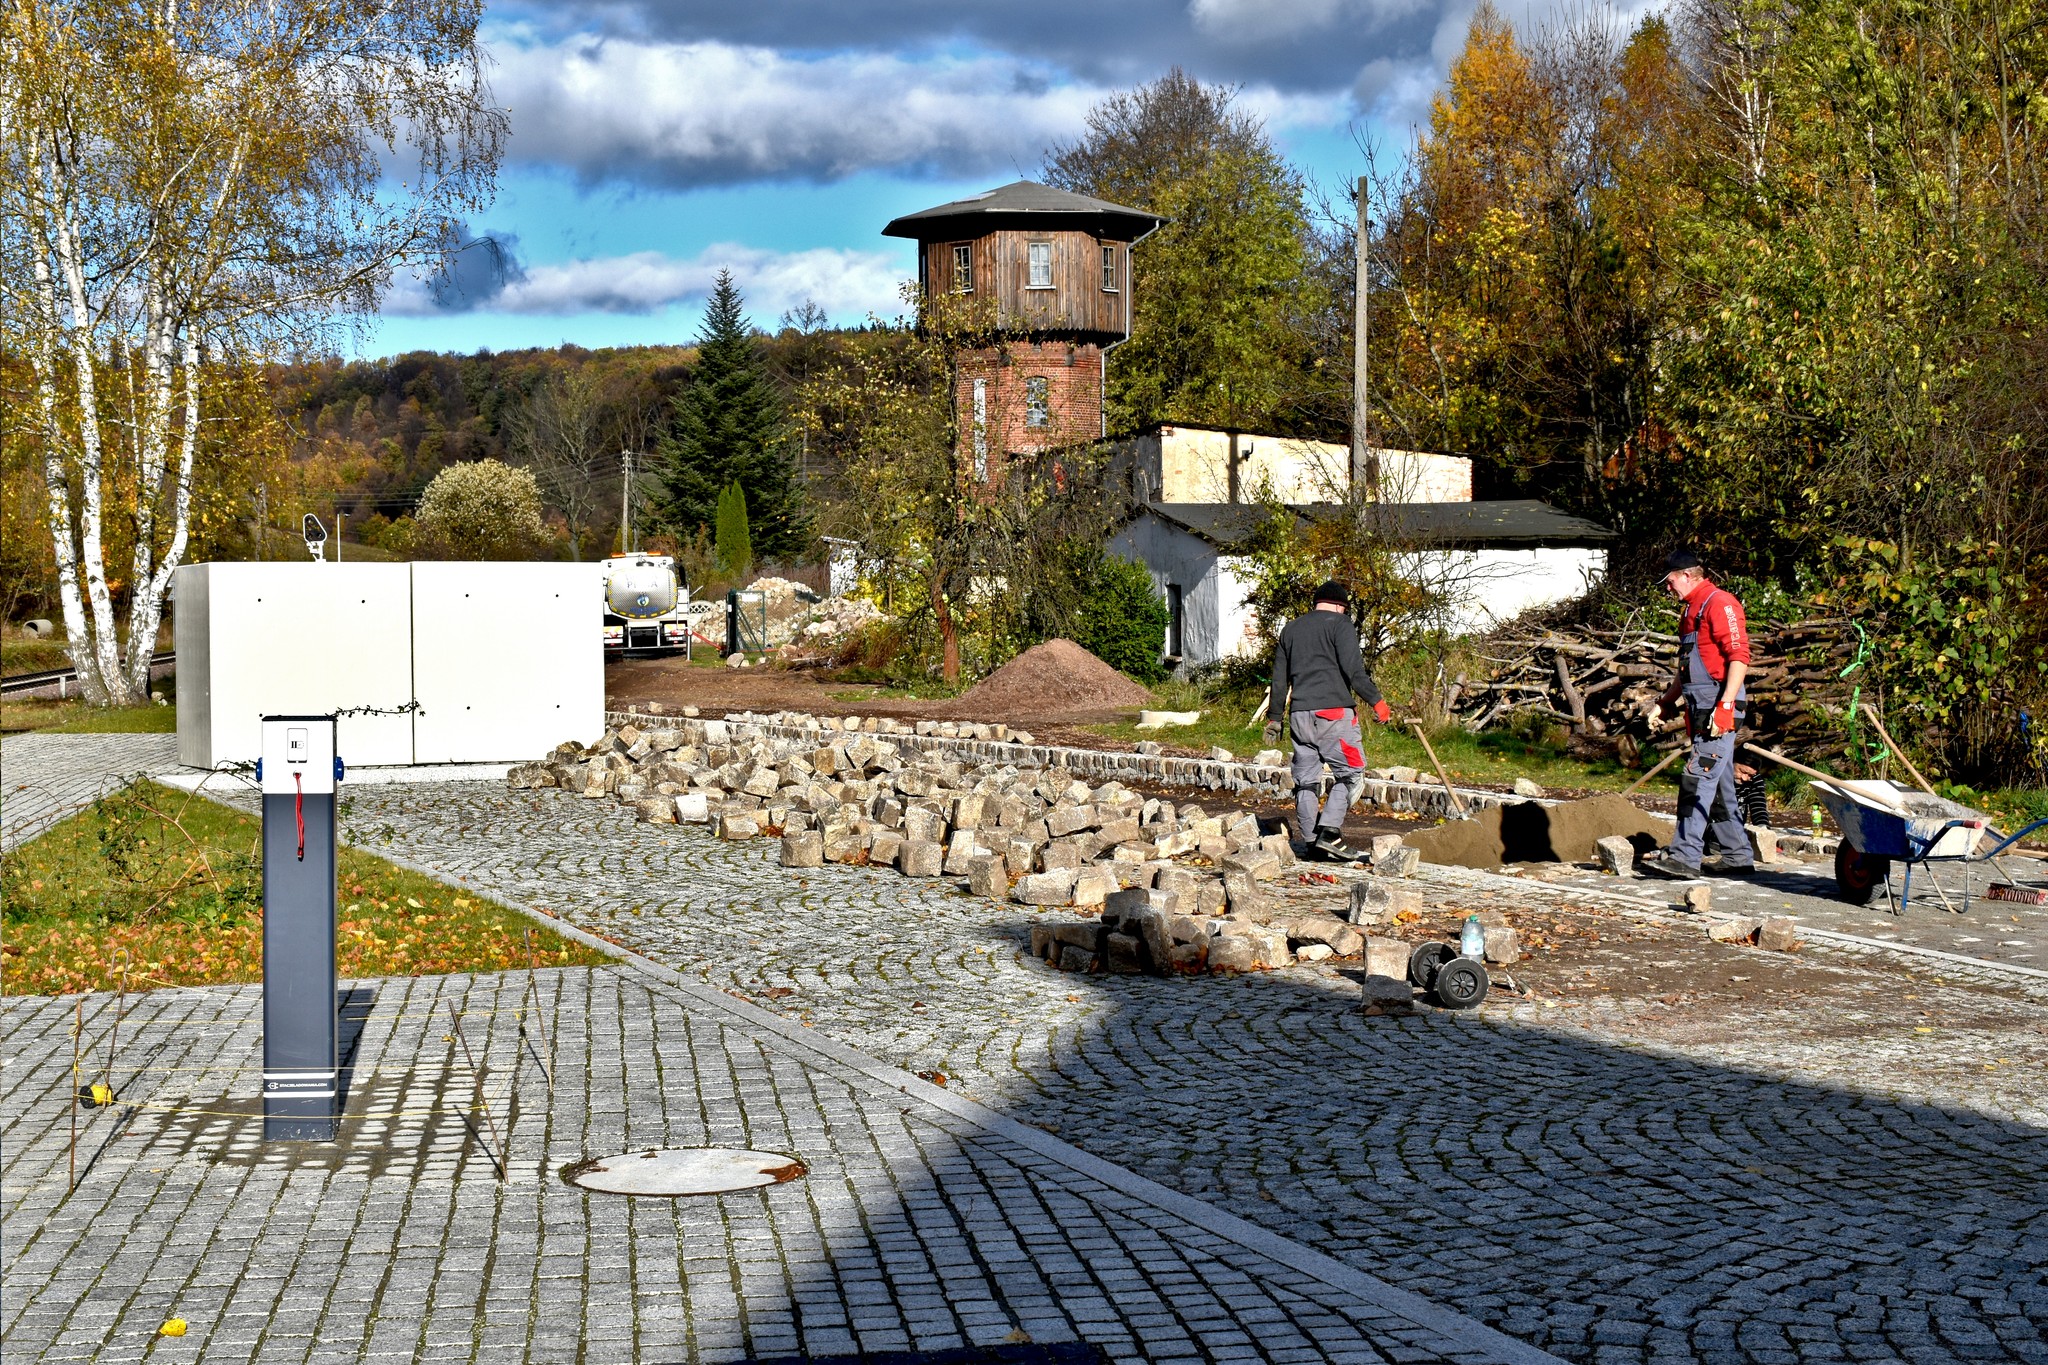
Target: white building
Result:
[[1488, 562], [1194, 464]]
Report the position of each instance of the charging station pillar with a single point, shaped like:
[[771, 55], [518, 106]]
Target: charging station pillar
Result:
[[298, 774]]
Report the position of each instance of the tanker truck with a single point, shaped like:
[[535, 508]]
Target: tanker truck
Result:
[[647, 606]]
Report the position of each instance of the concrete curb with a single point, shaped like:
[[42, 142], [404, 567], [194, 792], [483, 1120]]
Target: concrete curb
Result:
[[1470, 1337]]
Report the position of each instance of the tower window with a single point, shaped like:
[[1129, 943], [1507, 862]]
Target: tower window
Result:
[[963, 268], [1037, 401], [1109, 267], [1041, 265]]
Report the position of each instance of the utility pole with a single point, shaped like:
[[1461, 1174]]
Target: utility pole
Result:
[[626, 504], [340, 521], [1365, 474]]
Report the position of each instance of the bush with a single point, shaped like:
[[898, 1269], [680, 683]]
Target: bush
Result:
[[734, 544], [1123, 622], [482, 510]]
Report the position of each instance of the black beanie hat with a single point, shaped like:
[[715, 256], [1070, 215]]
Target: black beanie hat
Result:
[[1333, 591]]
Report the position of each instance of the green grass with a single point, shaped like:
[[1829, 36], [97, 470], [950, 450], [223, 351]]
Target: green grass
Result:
[[73, 717], [177, 881], [27, 655]]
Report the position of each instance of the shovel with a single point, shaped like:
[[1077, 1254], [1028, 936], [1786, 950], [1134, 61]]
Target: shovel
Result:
[[1880, 794], [1457, 807]]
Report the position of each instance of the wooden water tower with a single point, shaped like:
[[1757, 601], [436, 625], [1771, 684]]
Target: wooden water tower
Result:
[[1057, 268]]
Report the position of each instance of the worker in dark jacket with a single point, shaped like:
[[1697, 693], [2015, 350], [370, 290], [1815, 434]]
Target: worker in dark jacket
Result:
[[1713, 661], [1316, 668]]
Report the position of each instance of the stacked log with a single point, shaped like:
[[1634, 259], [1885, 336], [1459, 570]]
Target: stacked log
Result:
[[1604, 682]]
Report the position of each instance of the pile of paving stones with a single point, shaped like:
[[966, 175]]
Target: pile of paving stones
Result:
[[1162, 887]]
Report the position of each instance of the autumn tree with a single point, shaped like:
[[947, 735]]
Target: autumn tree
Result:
[[481, 510], [971, 570], [187, 191], [1222, 288]]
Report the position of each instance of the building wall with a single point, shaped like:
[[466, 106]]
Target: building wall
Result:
[[1487, 587], [1194, 464], [1173, 557], [1073, 379], [1076, 301]]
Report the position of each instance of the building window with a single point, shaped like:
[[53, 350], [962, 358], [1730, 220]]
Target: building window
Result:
[[981, 430], [1109, 267], [1037, 401], [1174, 620], [1041, 265], [963, 268]]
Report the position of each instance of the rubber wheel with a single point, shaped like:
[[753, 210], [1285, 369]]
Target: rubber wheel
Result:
[[1461, 984], [1425, 961], [1857, 874]]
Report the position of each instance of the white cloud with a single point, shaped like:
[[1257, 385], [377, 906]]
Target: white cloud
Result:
[[684, 114], [846, 284]]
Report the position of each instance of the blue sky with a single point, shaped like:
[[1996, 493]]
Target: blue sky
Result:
[[656, 141]]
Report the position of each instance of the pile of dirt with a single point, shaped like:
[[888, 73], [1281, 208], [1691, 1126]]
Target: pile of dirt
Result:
[[1055, 678], [1527, 832]]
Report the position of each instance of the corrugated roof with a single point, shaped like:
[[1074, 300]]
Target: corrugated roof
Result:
[[1021, 201], [1513, 523]]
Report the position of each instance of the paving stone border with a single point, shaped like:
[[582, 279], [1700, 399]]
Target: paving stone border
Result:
[[1235, 777]]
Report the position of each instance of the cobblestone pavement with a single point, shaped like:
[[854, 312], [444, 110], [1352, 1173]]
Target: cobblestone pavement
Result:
[[922, 1225], [1780, 1187], [44, 778]]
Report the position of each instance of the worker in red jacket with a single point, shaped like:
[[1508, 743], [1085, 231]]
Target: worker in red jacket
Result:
[[1316, 668], [1713, 660]]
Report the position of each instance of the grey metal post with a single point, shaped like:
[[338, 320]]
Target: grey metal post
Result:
[[299, 773]]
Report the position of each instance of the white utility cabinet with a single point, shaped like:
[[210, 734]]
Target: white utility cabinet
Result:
[[507, 659], [292, 639], [473, 662]]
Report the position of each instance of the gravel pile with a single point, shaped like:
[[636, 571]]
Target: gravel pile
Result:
[[1159, 887]]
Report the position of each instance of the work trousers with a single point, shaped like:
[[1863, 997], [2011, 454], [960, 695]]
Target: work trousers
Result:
[[1706, 796], [1320, 738]]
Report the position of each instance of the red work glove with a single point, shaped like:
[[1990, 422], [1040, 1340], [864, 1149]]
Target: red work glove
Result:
[[1383, 713], [1724, 718]]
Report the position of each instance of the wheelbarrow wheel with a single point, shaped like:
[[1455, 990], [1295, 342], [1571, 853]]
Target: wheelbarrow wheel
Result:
[[1461, 983], [1424, 962], [1857, 875]]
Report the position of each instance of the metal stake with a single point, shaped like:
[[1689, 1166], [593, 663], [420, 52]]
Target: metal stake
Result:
[[547, 1064], [470, 1057], [120, 1008], [77, 1032]]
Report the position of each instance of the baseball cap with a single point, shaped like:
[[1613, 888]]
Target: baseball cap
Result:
[[1333, 591], [1678, 561]]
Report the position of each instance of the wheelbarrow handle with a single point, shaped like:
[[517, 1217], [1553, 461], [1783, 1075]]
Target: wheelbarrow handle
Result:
[[1987, 857]]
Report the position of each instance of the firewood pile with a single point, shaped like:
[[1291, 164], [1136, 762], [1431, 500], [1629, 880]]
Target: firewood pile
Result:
[[1603, 683]]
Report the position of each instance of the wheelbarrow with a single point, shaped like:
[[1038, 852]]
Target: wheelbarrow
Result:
[[1886, 822]]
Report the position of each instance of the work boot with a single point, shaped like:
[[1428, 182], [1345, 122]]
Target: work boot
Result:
[[1666, 864], [1719, 866], [1329, 843]]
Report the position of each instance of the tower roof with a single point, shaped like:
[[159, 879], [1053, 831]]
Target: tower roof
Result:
[[1025, 204]]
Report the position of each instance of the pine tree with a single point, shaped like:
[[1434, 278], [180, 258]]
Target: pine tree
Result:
[[732, 544], [728, 428]]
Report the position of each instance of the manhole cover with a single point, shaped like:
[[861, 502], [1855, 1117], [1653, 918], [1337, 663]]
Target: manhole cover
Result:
[[677, 1171]]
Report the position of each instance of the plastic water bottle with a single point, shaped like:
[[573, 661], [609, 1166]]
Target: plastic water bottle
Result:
[[1472, 942], [1816, 822]]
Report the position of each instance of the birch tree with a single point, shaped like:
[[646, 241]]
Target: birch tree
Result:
[[188, 191]]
